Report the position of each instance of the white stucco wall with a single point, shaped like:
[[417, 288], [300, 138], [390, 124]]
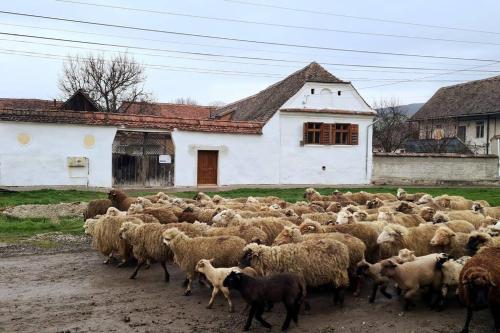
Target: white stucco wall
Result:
[[348, 100], [243, 159], [344, 164], [36, 154]]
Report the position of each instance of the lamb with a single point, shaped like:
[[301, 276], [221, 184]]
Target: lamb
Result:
[[89, 226], [453, 202], [147, 244], [493, 212], [479, 285], [361, 231], [355, 246], [427, 213], [285, 287], [449, 241], [417, 239], [413, 275], [113, 211], [451, 273], [479, 239], [202, 197], [96, 207], [476, 219], [120, 200], [374, 203], [106, 238], [403, 196], [318, 262], [192, 213], [226, 251], [216, 276], [385, 214], [323, 218], [144, 202]]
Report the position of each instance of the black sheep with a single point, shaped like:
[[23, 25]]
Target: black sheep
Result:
[[257, 292]]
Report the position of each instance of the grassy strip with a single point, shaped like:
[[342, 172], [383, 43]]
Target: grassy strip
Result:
[[491, 194], [13, 229]]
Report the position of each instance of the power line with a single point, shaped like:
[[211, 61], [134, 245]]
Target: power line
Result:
[[278, 25], [213, 54], [364, 18], [203, 70], [231, 39]]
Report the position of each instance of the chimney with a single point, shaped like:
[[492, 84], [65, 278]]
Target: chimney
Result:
[[55, 103]]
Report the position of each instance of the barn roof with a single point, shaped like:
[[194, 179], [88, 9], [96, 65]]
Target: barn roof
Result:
[[479, 97], [263, 105], [128, 121], [169, 110]]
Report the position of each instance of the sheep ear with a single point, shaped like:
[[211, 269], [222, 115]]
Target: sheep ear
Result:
[[310, 227], [412, 252], [211, 260], [492, 282]]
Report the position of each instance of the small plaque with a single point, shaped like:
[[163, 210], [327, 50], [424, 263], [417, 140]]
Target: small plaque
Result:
[[165, 159]]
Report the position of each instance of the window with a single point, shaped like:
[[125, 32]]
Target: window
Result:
[[330, 134], [480, 129], [312, 91], [312, 133], [462, 132]]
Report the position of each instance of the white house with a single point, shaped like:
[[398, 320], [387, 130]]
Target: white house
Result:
[[310, 128]]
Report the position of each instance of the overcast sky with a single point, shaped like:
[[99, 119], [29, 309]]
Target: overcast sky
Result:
[[30, 70]]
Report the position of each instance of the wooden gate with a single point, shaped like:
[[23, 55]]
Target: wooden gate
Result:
[[136, 159], [207, 167]]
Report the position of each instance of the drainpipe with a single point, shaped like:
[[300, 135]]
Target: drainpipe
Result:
[[487, 134], [498, 154], [368, 148]]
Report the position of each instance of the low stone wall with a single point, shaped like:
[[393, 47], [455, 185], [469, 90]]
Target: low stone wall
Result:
[[435, 169]]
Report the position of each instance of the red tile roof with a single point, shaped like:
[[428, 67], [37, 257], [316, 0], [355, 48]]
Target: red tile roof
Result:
[[29, 103], [131, 121], [168, 110]]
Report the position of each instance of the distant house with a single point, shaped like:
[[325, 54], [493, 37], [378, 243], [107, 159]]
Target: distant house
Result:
[[309, 128], [469, 111]]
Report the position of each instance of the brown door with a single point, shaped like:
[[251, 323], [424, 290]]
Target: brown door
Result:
[[207, 167]]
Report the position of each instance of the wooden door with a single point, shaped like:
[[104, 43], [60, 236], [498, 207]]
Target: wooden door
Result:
[[207, 167]]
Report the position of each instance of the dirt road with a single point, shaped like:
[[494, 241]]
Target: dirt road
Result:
[[75, 292]]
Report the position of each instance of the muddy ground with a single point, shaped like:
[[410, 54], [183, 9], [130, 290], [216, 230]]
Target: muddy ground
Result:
[[73, 291]]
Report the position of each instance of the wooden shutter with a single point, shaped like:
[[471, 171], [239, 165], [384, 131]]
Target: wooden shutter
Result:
[[353, 134], [304, 134], [326, 134]]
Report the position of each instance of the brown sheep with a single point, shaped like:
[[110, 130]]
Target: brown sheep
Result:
[[479, 285], [449, 241], [479, 239], [403, 196], [120, 199], [96, 207], [459, 226], [164, 215], [476, 219], [493, 212], [417, 239], [359, 230]]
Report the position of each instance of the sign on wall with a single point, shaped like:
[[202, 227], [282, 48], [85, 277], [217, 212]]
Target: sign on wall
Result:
[[164, 159]]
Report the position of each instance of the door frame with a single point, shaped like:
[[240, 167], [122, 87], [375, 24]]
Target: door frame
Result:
[[197, 165]]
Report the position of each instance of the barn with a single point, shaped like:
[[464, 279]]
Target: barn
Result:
[[310, 128]]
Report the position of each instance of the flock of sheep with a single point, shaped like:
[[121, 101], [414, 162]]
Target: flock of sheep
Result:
[[271, 250]]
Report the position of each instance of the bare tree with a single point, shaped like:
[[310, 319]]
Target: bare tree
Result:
[[217, 104], [109, 82], [185, 100], [393, 127]]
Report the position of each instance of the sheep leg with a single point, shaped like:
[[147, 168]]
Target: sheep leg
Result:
[[225, 291], [408, 298], [215, 291], [139, 265], [338, 296], [258, 316], [383, 291], [374, 293], [109, 258], [164, 265], [288, 318], [359, 285], [148, 264], [190, 282], [467, 320], [495, 311], [250, 317]]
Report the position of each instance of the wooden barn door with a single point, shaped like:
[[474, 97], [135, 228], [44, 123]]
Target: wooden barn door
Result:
[[207, 167]]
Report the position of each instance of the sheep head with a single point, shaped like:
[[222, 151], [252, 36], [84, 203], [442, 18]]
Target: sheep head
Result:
[[385, 214], [374, 203], [135, 209], [125, 230], [143, 202], [169, 234], [440, 218], [251, 255], [425, 199], [405, 207], [275, 206], [344, 217], [112, 211], [400, 194], [477, 207], [217, 199], [116, 195], [201, 196], [309, 226], [391, 234], [442, 237], [427, 213], [225, 216], [362, 267], [360, 216], [388, 267], [233, 280], [203, 264], [89, 225], [287, 235], [406, 255], [334, 207], [311, 194]]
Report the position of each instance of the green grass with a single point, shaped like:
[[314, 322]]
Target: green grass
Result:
[[47, 197], [12, 229]]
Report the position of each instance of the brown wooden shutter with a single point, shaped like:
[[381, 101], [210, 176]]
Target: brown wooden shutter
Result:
[[304, 134], [353, 134], [326, 134]]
